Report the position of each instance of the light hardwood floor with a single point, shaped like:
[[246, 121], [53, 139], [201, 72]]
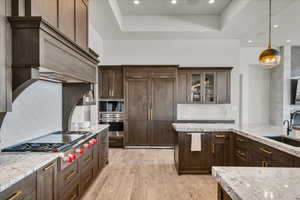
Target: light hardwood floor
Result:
[[148, 174]]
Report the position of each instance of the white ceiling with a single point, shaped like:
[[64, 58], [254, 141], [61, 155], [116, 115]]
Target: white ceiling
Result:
[[164, 7], [239, 19]]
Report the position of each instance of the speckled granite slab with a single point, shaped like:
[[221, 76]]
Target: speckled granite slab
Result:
[[16, 166], [253, 132], [258, 183]]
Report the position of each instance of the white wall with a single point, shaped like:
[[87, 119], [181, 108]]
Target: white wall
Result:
[[255, 89], [186, 53], [36, 112]]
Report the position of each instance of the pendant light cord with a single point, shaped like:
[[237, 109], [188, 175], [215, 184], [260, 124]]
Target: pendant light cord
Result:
[[270, 23]]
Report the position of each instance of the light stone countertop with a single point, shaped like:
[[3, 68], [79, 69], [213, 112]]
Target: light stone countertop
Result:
[[258, 183], [254, 132], [17, 165]]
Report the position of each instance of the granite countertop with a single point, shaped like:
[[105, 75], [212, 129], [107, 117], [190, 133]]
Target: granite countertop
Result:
[[15, 166], [254, 132], [257, 183]]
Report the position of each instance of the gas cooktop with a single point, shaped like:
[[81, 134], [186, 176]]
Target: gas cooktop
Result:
[[54, 142]]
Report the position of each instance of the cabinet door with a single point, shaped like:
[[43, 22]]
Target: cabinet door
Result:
[[45, 8], [81, 23], [117, 89], [106, 78], [223, 87], [209, 87], [196, 85], [47, 182], [162, 111], [182, 91], [66, 11], [138, 112], [221, 149], [195, 161]]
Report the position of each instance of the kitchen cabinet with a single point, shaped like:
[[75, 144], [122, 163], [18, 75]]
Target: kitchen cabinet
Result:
[[222, 195], [204, 85], [81, 20], [24, 189], [67, 18], [221, 149], [265, 156], [103, 150], [47, 182], [192, 162], [111, 82], [150, 104], [240, 152]]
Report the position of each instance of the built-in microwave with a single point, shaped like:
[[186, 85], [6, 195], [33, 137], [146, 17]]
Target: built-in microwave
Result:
[[111, 106]]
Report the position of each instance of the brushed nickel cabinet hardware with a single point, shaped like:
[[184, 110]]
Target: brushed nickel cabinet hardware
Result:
[[163, 77], [112, 93], [220, 136], [213, 148], [48, 167], [151, 114], [240, 140], [265, 151], [73, 197], [241, 153], [70, 176], [15, 196]]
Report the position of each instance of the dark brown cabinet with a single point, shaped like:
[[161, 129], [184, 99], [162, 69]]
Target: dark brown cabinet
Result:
[[111, 82], [222, 195], [221, 149], [150, 105], [103, 150], [192, 162], [240, 151], [47, 182], [204, 85], [81, 20]]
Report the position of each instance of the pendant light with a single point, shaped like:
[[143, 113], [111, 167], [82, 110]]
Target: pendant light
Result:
[[270, 57]]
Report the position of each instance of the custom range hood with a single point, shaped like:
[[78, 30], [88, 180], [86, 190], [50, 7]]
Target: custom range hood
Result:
[[42, 52]]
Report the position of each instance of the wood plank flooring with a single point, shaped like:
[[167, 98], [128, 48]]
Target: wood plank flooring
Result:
[[148, 174]]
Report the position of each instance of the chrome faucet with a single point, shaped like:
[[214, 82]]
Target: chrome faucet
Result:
[[288, 130]]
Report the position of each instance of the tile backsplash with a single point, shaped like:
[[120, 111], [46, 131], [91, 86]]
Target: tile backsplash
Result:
[[206, 112]]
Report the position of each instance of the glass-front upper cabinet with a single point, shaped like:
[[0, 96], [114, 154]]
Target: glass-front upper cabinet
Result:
[[203, 87]]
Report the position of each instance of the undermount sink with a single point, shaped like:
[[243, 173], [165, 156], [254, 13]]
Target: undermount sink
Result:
[[285, 140]]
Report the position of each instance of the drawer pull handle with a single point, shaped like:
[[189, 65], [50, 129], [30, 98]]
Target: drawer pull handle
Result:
[[88, 179], [16, 195], [70, 176], [265, 151], [87, 159], [137, 76], [163, 77], [240, 140], [73, 197], [241, 153], [220, 136], [50, 166]]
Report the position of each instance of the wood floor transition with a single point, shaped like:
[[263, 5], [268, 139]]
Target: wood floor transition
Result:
[[148, 174]]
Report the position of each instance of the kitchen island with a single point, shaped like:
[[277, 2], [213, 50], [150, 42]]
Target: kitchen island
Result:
[[257, 183]]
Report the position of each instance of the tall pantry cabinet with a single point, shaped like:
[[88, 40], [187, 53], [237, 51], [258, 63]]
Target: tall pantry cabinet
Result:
[[150, 96]]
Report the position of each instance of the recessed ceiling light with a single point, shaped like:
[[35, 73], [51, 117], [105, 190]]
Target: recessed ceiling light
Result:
[[288, 41], [136, 2], [173, 1], [275, 26], [211, 1], [250, 41]]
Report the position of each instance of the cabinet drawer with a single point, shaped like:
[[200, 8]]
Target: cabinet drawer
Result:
[[164, 74], [274, 157], [240, 142], [72, 192], [241, 157], [137, 74], [86, 178], [21, 190], [86, 159], [67, 177]]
